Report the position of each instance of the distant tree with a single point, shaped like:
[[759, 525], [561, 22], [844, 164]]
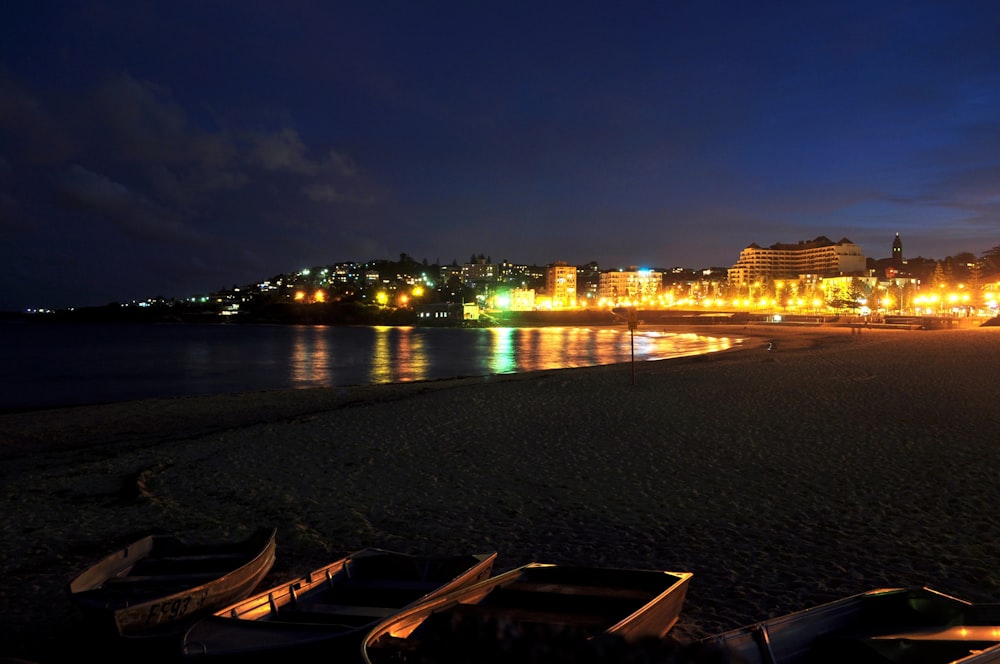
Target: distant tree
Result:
[[859, 290], [991, 260], [975, 274], [921, 268], [963, 258], [939, 278], [948, 267], [961, 266]]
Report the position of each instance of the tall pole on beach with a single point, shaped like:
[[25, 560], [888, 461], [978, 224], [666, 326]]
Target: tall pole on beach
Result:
[[633, 322]]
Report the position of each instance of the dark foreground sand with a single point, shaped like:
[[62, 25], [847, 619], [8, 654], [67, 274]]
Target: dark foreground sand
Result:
[[831, 464]]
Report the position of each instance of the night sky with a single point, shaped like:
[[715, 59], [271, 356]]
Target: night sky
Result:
[[176, 148]]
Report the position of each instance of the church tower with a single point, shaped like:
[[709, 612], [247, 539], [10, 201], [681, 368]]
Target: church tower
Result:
[[897, 252]]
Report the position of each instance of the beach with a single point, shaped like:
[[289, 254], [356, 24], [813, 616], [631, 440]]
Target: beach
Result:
[[805, 465]]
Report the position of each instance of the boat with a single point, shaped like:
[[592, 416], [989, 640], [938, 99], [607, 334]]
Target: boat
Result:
[[332, 608], [537, 602], [909, 624], [153, 586]]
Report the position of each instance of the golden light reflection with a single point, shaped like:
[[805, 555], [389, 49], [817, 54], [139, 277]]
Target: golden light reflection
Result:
[[391, 354], [411, 357], [381, 364], [399, 355], [538, 349], [310, 361]]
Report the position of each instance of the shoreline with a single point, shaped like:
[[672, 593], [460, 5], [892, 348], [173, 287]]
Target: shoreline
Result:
[[183, 360], [831, 464], [29, 430]]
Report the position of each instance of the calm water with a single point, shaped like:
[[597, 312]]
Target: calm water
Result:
[[69, 364]]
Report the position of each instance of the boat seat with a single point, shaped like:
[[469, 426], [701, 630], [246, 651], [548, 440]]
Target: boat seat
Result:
[[521, 615], [348, 610], [581, 590], [197, 557], [391, 584], [152, 579]]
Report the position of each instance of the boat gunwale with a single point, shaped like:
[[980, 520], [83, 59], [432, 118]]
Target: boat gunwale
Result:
[[305, 634], [471, 595], [133, 620]]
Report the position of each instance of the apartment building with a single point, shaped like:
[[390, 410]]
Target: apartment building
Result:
[[560, 285], [482, 271], [632, 285], [822, 257]]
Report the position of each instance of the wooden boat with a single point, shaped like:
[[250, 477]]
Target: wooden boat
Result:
[[154, 585], [537, 601], [332, 608], [882, 625]]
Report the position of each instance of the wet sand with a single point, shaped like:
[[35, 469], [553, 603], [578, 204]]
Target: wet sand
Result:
[[831, 463]]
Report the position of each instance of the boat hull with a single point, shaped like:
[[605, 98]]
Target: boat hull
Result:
[[332, 608], [886, 624], [541, 600], [157, 584]]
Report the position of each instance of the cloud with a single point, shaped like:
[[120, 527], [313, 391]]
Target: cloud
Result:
[[137, 121], [137, 131], [322, 193], [281, 151], [284, 150], [33, 133], [130, 213], [341, 163], [86, 190], [328, 193]]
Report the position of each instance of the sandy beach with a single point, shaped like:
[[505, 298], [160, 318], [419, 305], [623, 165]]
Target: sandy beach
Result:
[[806, 465]]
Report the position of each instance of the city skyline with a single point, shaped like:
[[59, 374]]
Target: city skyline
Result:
[[173, 148], [313, 283]]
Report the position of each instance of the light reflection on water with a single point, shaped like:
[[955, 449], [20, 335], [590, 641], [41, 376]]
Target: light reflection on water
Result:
[[68, 364], [406, 354], [310, 360], [400, 355], [502, 356]]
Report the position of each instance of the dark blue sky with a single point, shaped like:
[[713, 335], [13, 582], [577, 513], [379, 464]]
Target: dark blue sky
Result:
[[174, 148]]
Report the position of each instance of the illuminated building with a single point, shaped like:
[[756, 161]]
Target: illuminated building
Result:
[[560, 285], [482, 271], [522, 299], [632, 286], [821, 256], [442, 312]]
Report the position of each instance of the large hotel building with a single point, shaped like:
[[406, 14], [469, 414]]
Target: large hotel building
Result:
[[821, 257]]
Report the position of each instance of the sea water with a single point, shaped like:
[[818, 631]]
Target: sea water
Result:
[[57, 364]]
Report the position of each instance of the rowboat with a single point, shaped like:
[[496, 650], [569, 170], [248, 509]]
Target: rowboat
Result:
[[154, 585], [537, 601], [914, 624], [332, 608]]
